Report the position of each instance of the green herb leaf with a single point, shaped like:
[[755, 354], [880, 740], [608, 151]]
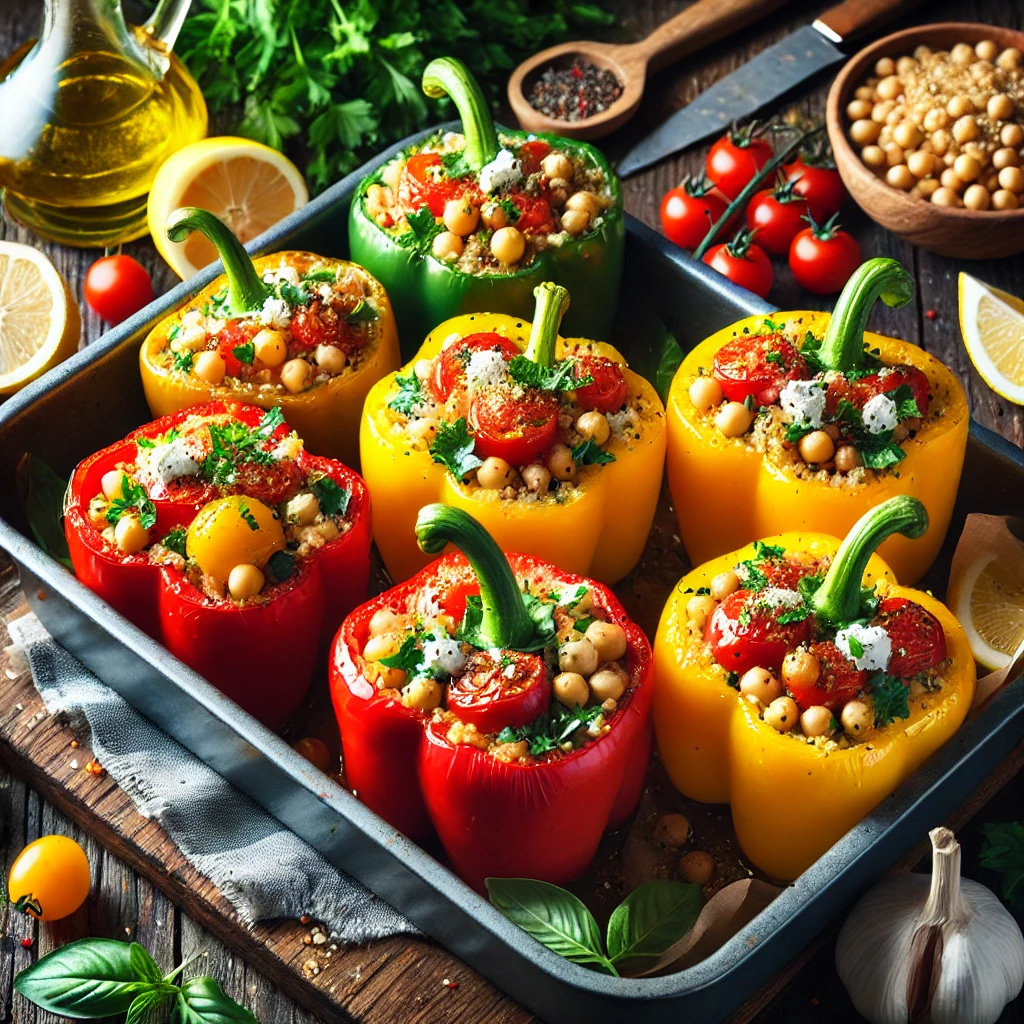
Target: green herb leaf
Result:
[[808, 586], [182, 361], [233, 444], [147, 1004], [1003, 851], [906, 404], [410, 394], [775, 357], [409, 657], [202, 1001], [651, 918], [245, 353], [590, 453], [294, 295], [362, 313], [453, 447], [856, 647], [280, 566], [422, 229], [44, 508], [810, 349], [797, 614], [144, 442], [144, 966], [323, 276], [333, 498], [455, 165], [133, 499], [798, 430], [175, 540], [246, 513], [272, 419], [560, 377], [891, 699]]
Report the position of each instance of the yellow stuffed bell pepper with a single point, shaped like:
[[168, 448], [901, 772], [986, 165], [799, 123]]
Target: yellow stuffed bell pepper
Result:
[[802, 421], [551, 443], [295, 330], [795, 680]]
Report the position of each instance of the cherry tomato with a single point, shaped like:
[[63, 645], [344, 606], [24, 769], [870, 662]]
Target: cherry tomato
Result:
[[116, 287], [534, 212], [49, 879], [735, 158], [777, 217], [688, 211], [417, 187], [743, 635], [609, 390], [233, 335], [820, 185], [530, 155], [516, 430], [490, 697], [918, 642], [743, 263], [450, 366], [840, 680], [757, 365], [823, 258], [319, 324], [890, 379], [314, 751]]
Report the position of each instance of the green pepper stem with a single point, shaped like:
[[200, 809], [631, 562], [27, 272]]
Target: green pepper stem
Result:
[[879, 278], [505, 622], [552, 302], [838, 599], [447, 76], [246, 291]]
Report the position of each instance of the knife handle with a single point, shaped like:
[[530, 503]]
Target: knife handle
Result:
[[703, 22], [854, 17]]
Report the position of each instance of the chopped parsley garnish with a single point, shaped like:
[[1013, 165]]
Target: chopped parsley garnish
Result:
[[408, 658], [454, 163], [320, 276], [453, 447], [182, 360], [511, 210], [773, 326], [775, 357], [133, 499], [808, 585], [891, 698], [553, 728], [272, 419], [764, 551], [906, 404], [590, 453], [245, 353], [798, 430], [246, 513], [410, 394], [233, 444], [810, 350], [174, 332], [362, 313], [280, 566], [294, 295], [333, 498], [422, 228], [744, 617], [856, 647], [581, 592], [796, 614], [175, 540], [877, 450], [560, 377], [144, 442]]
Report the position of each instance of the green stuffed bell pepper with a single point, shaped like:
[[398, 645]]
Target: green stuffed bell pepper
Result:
[[471, 222]]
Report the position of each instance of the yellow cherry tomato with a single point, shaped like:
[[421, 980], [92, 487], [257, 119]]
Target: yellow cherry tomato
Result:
[[232, 531], [49, 878]]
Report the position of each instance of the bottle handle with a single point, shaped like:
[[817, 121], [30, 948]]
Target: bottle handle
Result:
[[165, 23]]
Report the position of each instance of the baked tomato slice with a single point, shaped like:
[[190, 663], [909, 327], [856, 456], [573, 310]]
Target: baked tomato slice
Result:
[[887, 380], [495, 693], [320, 324], [744, 635], [757, 366], [918, 641], [839, 680], [449, 371], [421, 184], [534, 212], [530, 155], [608, 391], [515, 429]]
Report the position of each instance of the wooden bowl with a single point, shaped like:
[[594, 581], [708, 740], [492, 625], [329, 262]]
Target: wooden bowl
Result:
[[948, 231]]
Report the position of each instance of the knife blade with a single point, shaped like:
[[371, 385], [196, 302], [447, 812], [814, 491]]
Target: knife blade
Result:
[[764, 78]]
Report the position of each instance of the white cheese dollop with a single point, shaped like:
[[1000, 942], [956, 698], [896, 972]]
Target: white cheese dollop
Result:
[[172, 461], [804, 400], [879, 413], [443, 653], [873, 640], [503, 170], [275, 313], [486, 368]]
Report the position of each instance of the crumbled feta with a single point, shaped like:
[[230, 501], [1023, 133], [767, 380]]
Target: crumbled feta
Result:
[[428, 605], [620, 421], [509, 671], [172, 461], [879, 413], [777, 597], [503, 170], [874, 642], [443, 653], [287, 275], [485, 368], [275, 313], [326, 291], [287, 449], [804, 400], [193, 318]]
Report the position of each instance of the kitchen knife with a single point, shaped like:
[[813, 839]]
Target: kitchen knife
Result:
[[764, 78]]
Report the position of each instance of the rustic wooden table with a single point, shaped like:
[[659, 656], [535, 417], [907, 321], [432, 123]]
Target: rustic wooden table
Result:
[[128, 904]]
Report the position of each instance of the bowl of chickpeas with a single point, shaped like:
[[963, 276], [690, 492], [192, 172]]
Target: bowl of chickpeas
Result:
[[927, 127]]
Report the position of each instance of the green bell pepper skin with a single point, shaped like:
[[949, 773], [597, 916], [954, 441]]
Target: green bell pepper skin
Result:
[[426, 291]]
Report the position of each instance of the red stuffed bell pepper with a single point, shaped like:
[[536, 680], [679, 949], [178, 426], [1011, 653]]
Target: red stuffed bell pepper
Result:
[[216, 532], [497, 702]]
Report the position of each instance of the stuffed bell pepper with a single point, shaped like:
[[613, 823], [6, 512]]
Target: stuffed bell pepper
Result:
[[496, 702], [553, 444], [802, 421], [798, 682], [216, 532], [472, 220], [295, 330]]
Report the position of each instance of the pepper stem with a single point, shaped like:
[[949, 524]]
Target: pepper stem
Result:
[[838, 600], [552, 302], [505, 623], [879, 278], [246, 291], [447, 76]]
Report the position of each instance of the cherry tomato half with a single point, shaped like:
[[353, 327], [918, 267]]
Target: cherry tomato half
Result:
[[839, 681], [534, 212], [918, 642], [734, 159], [609, 389], [743, 263], [116, 287], [450, 366], [823, 258], [514, 429], [820, 185], [778, 217], [49, 879], [530, 155], [417, 187], [755, 364], [688, 211], [744, 641], [495, 693]]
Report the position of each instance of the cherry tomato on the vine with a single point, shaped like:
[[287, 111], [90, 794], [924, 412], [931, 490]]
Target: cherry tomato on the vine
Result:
[[778, 217], [689, 210], [735, 158], [820, 185], [743, 263], [49, 879], [116, 287], [823, 258]]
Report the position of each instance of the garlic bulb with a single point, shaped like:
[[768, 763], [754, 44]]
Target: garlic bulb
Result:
[[942, 949]]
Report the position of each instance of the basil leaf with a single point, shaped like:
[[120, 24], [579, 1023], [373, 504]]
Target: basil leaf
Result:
[[333, 498], [87, 978], [552, 916], [453, 447], [146, 1002], [44, 509], [651, 918], [590, 453], [144, 966], [202, 1001]]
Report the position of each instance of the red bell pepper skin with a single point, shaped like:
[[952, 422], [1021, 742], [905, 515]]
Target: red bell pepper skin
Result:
[[542, 819], [261, 655]]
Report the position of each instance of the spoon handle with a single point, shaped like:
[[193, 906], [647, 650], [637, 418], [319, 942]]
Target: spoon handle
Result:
[[703, 22]]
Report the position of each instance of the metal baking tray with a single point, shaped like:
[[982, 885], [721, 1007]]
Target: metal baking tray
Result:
[[96, 398]]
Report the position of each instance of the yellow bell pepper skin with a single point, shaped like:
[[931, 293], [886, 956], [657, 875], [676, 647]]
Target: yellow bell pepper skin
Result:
[[726, 493], [600, 532]]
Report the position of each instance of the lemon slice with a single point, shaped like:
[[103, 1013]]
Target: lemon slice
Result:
[[248, 185], [992, 323], [39, 320], [989, 602]]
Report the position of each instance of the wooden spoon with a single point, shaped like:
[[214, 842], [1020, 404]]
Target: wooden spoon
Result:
[[701, 23]]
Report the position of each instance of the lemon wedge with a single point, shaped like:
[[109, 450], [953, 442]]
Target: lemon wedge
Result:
[[992, 323], [248, 185], [39, 320], [988, 599]]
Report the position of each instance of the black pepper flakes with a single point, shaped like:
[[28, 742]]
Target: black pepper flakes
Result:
[[576, 92]]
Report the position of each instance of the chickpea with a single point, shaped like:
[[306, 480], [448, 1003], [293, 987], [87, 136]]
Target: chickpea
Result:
[[857, 717], [760, 683], [1000, 107], [697, 867], [537, 478], [894, 154], [270, 347], [575, 221], [966, 168], [461, 216], [816, 721], [884, 67], [864, 92], [800, 669], [699, 609], [940, 142], [422, 693], [579, 656], [1005, 157], [920, 164], [962, 53], [934, 119], [586, 202], [873, 156], [951, 180], [508, 245], [594, 425], [210, 367], [705, 394], [881, 110], [557, 165], [817, 446], [672, 830], [782, 714], [977, 197], [608, 638], [561, 463], [927, 186], [907, 135], [447, 246], [330, 359], [384, 620], [920, 52], [724, 584], [965, 129], [1004, 199], [889, 87], [958, 106], [734, 419], [570, 689], [495, 473], [848, 458], [382, 645], [1012, 179], [856, 110], [245, 581], [1009, 59], [130, 535], [112, 484], [296, 375], [392, 173], [986, 49], [905, 65], [1011, 135], [900, 177], [494, 215], [864, 131], [302, 509], [609, 682]]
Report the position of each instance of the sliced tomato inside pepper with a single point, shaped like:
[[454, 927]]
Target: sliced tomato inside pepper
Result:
[[918, 640], [494, 693], [744, 635], [530, 155], [609, 390], [758, 366], [233, 335], [418, 187], [534, 212], [860, 392], [517, 430], [839, 680], [450, 366]]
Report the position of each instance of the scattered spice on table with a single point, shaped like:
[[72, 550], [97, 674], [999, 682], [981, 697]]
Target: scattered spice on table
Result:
[[576, 92]]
